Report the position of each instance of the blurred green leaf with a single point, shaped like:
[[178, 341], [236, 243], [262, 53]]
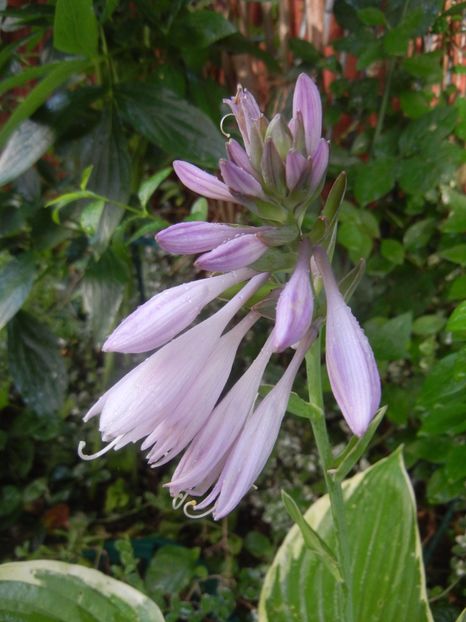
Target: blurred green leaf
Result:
[[38, 95], [149, 186], [16, 279], [171, 570], [456, 254], [393, 251], [457, 289], [75, 28], [426, 66], [372, 16], [200, 29], [171, 123], [418, 235], [373, 180], [457, 321], [456, 221], [428, 325], [36, 365], [102, 290], [390, 339]]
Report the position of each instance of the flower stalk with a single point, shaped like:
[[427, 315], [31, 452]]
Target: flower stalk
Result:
[[332, 482]]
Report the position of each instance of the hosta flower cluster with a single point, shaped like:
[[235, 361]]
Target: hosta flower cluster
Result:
[[175, 401]]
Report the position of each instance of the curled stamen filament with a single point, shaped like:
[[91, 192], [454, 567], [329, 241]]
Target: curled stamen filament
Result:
[[226, 134], [179, 500], [103, 451], [193, 504]]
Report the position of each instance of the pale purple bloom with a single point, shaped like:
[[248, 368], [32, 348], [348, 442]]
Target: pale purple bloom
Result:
[[295, 304], [306, 100], [156, 386], [190, 238], [201, 182], [214, 441], [238, 156], [181, 425], [240, 181], [297, 169], [351, 366], [237, 253], [247, 113], [319, 164], [166, 314], [256, 441]]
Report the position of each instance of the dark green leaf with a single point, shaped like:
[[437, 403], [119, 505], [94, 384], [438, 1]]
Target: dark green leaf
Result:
[[24, 147], [36, 365], [371, 16], [373, 180], [390, 339], [426, 66], [457, 321], [428, 325], [171, 123], [16, 279], [418, 235], [456, 254], [75, 28], [149, 186], [171, 569], [200, 29], [102, 290], [393, 251], [38, 95]]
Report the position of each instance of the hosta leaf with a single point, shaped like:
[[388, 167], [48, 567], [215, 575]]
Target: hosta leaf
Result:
[[49, 591], [36, 365], [388, 575], [171, 123], [16, 279], [25, 146]]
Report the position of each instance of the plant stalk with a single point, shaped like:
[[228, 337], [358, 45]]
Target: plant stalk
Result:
[[334, 488]]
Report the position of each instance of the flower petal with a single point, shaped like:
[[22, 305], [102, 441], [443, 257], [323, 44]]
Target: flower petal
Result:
[[240, 180], [306, 99], [237, 253], [189, 238], [319, 164], [201, 182], [166, 314], [296, 167], [351, 365], [295, 304]]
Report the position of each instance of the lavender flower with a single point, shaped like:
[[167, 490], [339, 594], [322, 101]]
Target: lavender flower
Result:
[[172, 402], [282, 166], [351, 365], [295, 304]]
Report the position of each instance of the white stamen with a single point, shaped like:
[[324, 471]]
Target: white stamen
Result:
[[103, 451], [226, 134], [193, 505], [179, 500]]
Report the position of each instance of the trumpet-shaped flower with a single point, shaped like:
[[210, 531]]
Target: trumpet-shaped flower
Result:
[[190, 238], [166, 314], [237, 253], [351, 366]]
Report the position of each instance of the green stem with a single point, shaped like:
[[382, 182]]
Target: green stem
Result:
[[334, 488], [384, 104]]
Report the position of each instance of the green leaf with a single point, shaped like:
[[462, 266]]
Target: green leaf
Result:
[[199, 210], [24, 147], [457, 321], [462, 617], [75, 28], [371, 16], [457, 290], [393, 251], [382, 529], [390, 339], [425, 66], [39, 94], [456, 254], [49, 591], [106, 150], [428, 325], [16, 279], [201, 29], [418, 235], [456, 221], [36, 365], [373, 180], [357, 447], [149, 186], [414, 103], [171, 123], [311, 538], [171, 569]]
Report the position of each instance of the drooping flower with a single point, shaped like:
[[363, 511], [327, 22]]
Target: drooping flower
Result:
[[351, 366]]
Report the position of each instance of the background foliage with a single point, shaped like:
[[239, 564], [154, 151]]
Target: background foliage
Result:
[[97, 99]]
